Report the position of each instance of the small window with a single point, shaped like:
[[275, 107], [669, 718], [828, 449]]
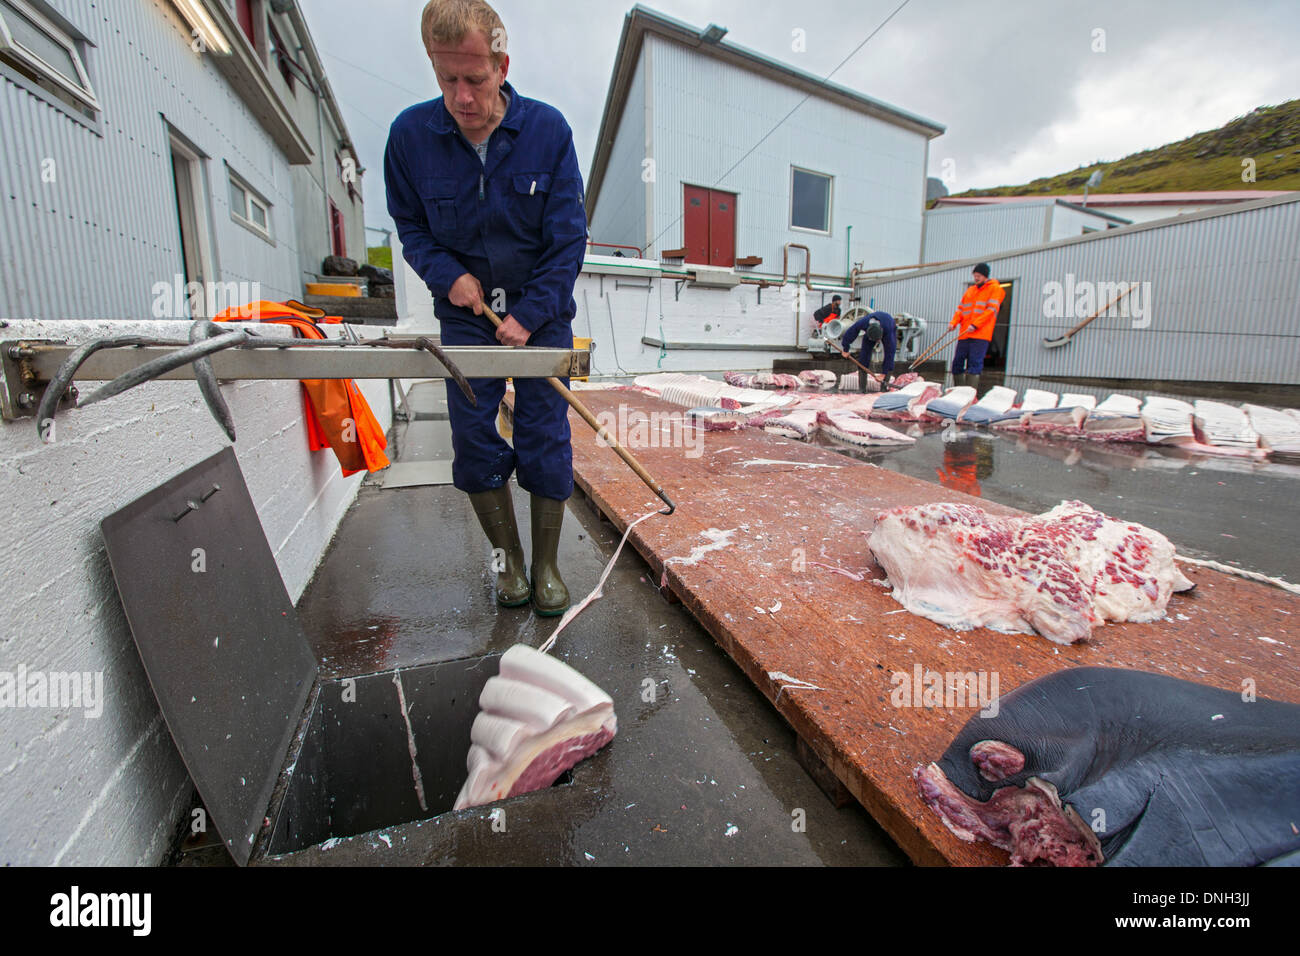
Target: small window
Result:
[[45, 53], [249, 208], [810, 200]]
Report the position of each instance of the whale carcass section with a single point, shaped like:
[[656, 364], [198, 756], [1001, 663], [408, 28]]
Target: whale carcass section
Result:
[[1093, 765], [1060, 573], [539, 717]]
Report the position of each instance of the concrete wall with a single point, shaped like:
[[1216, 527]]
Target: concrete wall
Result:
[[618, 311], [77, 790]]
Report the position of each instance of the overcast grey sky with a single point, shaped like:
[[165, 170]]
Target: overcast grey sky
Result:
[[1016, 82]]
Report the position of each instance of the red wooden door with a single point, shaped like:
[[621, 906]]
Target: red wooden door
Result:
[[709, 231], [696, 219], [244, 12], [722, 228], [338, 240]]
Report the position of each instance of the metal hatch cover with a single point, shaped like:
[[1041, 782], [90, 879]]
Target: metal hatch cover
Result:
[[219, 637]]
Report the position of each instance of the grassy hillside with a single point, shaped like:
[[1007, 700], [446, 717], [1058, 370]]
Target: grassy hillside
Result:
[[1210, 160], [381, 256]]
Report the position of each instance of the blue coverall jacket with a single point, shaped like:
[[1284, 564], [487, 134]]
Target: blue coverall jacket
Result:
[[888, 339], [517, 224]]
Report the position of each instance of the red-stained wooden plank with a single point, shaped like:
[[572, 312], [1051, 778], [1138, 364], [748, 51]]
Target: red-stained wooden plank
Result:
[[754, 512]]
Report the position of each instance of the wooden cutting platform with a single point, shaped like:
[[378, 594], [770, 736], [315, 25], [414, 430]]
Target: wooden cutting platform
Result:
[[758, 592]]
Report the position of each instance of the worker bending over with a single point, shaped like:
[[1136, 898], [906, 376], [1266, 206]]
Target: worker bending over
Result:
[[977, 315], [484, 187], [876, 327]]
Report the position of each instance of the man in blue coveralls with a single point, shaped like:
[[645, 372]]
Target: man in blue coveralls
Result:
[[484, 187], [876, 327]]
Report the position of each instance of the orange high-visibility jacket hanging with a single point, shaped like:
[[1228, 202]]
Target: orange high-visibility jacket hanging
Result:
[[336, 412], [979, 307]]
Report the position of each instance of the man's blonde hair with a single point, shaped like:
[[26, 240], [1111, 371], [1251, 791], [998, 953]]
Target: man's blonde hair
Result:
[[445, 23]]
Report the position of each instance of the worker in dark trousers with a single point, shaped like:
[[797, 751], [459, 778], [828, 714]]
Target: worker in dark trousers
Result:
[[827, 312], [484, 187], [977, 315], [875, 327]]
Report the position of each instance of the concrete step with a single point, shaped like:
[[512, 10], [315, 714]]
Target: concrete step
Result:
[[358, 311]]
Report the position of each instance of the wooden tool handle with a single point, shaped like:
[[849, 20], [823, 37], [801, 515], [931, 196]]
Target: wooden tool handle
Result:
[[600, 430], [1104, 308], [933, 348], [859, 365]]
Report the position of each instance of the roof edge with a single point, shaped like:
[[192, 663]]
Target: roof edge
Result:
[[1228, 210], [641, 20]]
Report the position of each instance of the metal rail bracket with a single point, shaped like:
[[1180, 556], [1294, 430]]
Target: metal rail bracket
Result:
[[28, 365]]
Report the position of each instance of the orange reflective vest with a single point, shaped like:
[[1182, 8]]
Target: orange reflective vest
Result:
[[959, 471], [979, 307], [336, 412]]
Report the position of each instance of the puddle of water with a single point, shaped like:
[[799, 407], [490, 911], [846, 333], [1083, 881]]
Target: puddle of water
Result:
[[1241, 513]]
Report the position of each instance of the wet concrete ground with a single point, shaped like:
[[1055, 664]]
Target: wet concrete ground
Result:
[[702, 771], [1241, 513], [407, 582]]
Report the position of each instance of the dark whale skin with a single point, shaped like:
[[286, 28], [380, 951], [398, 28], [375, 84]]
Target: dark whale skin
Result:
[[1186, 775]]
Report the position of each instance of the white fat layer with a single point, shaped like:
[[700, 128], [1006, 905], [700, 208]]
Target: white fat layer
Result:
[[524, 702], [491, 779], [529, 665]]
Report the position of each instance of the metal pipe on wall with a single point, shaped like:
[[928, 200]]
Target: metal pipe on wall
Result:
[[785, 263]]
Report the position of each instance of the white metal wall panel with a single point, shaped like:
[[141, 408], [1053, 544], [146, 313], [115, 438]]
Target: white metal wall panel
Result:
[[1068, 223], [92, 243], [1223, 286], [620, 215], [960, 232], [708, 115]]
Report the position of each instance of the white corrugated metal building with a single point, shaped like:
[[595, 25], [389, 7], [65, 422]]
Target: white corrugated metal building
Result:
[[684, 159], [1133, 207], [1216, 301], [105, 108], [958, 232], [125, 126]]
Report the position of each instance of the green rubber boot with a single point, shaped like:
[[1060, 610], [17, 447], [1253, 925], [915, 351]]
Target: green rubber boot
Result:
[[496, 513], [974, 382], [550, 596]]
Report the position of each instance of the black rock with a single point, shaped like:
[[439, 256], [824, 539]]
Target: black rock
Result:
[[339, 266], [376, 274]]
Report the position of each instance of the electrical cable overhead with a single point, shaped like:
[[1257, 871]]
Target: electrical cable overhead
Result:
[[397, 86], [825, 79]]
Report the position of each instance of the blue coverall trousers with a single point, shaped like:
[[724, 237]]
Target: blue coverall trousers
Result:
[[969, 357], [542, 456], [888, 341]]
